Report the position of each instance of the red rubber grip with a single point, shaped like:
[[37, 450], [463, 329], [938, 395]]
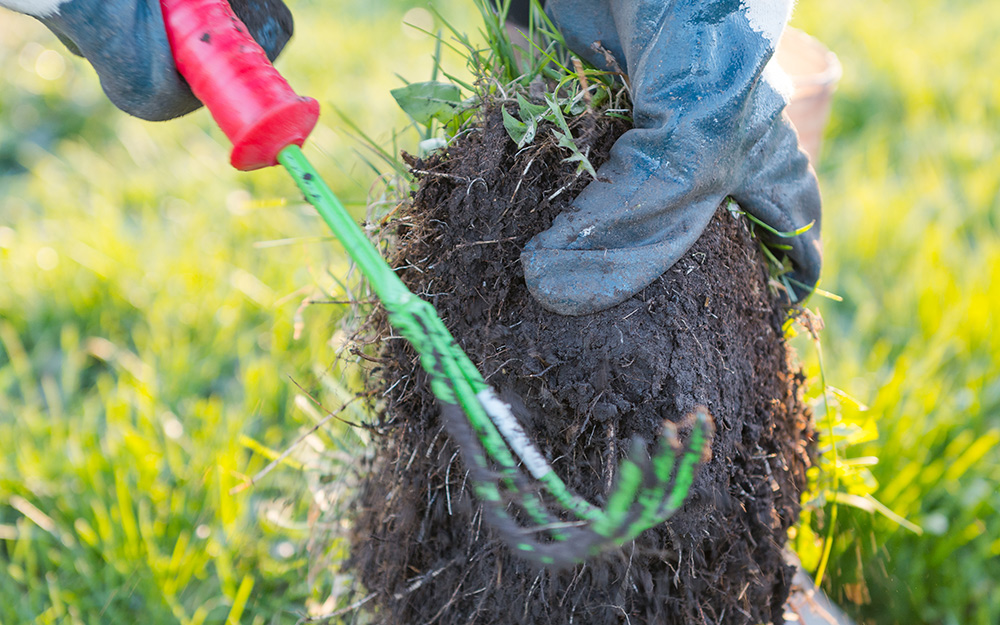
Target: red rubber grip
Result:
[[231, 74]]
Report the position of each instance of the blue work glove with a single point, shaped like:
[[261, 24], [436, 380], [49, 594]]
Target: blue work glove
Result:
[[126, 43], [708, 124]]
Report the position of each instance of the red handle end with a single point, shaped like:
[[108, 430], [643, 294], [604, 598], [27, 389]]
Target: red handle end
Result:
[[231, 74]]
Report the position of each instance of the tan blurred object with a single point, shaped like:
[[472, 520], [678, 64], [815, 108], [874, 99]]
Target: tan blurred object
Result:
[[807, 605], [814, 71]]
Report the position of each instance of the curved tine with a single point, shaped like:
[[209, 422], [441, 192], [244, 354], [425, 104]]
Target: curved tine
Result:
[[570, 543], [657, 500], [512, 435], [567, 545], [454, 380], [667, 477], [443, 360], [697, 452], [641, 513], [649, 491]]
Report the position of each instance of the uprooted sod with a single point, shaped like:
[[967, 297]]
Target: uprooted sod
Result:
[[708, 332]]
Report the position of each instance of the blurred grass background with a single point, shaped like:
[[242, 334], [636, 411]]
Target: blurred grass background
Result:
[[911, 185], [151, 320]]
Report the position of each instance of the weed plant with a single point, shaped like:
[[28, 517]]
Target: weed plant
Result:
[[901, 521]]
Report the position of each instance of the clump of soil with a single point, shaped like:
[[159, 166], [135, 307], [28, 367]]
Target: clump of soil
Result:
[[708, 332]]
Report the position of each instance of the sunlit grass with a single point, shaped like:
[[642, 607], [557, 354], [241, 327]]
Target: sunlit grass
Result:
[[911, 182], [151, 323]]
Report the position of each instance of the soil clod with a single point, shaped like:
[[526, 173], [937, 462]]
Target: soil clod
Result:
[[708, 332]]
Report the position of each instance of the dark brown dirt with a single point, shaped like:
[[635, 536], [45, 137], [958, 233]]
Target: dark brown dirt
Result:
[[708, 332]]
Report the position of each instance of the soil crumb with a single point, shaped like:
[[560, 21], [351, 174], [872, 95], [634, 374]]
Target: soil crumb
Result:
[[708, 332]]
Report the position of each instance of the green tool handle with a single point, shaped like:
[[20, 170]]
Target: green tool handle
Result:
[[384, 280]]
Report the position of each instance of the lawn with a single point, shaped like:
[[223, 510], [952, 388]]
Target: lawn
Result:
[[911, 181], [153, 336], [152, 333]]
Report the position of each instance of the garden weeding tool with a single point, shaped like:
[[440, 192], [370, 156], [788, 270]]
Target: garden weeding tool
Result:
[[267, 124]]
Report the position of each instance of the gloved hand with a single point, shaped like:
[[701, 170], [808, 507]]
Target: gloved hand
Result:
[[126, 43], [708, 123]]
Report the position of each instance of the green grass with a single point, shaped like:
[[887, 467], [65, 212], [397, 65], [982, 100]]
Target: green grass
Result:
[[911, 182], [149, 304], [148, 330]]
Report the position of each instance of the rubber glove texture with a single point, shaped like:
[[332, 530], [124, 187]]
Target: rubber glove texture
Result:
[[708, 124], [126, 43]]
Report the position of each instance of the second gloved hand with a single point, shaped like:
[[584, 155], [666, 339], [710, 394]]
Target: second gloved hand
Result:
[[707, 124], [126, 43]]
